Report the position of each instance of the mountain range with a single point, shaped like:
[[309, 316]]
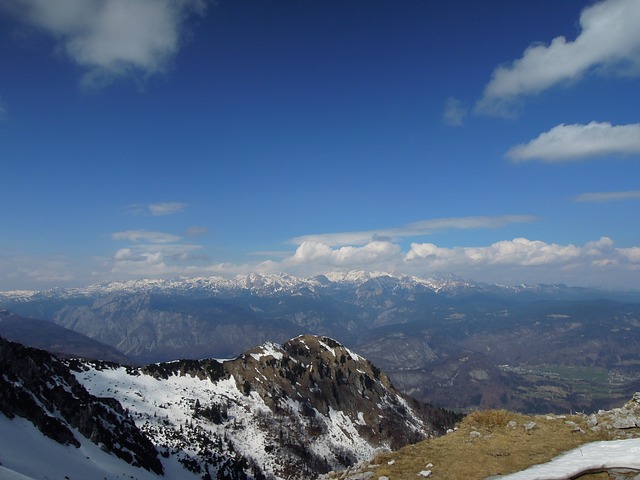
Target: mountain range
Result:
[[444, 340]]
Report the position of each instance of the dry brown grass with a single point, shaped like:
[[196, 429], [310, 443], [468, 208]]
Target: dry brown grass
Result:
[[486, 443]]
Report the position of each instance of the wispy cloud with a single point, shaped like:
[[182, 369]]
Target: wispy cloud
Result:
[[454, 113], [602, 197], [415, 229], [152, 254], [24, 271], [166, 208], [157, 209], [196, 231], [145, 236], [112, 38], [609, 41], [576, 142]]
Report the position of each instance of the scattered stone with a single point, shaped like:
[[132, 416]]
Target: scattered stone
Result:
[[529, 426], [383, 478], [574, 426], [592, 421], [361, 476], [429, 465], [425, 473], [391, 462], [475, 434], [512, 424]]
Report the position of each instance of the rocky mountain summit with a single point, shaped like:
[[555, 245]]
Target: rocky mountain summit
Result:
[[277, 411]]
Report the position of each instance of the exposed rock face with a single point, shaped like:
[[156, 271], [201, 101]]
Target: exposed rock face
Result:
[[39, 387], [324, 376], [623, 418]]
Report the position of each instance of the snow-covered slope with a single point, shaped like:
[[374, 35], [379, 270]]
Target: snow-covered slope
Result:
[[593, 457], [26, 454], [291, 411]]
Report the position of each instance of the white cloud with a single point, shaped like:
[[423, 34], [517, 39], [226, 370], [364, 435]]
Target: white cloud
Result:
[[375, 252], [166, 208], [609, 41], [156, 209], [454, 112], [519, 260], [509, 262], [602, 197], [575, 142], [156, 259], [145, 236], [415, 229], [519, 252], [112, 38]]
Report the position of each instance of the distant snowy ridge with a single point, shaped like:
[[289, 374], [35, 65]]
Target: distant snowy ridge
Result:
[[271, 284]]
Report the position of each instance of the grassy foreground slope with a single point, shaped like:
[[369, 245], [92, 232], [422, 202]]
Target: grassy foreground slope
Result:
[[497, 442]]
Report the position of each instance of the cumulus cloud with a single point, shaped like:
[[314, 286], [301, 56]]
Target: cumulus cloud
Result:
[[112, 38], [454, 112], [602, 197], [519, 260], [519, 251], [609, 41], [529, 261], [375, 252], [575, 142], [415, 229]]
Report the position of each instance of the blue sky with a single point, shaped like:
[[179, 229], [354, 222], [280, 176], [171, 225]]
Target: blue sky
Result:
[[497, 140]]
